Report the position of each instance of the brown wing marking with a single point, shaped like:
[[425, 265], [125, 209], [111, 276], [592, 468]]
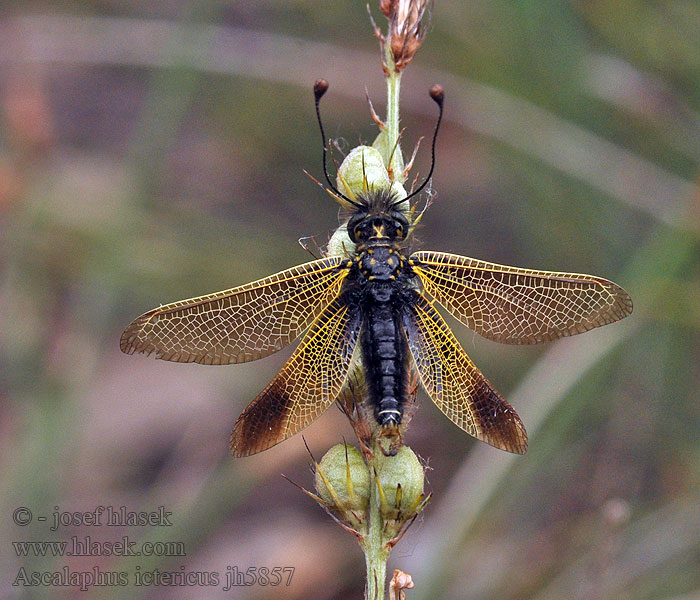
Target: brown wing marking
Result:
[[454, 383], [241, 324], [519, 306], [305, 387]]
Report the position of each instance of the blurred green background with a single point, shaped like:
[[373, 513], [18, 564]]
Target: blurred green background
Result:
[[153, 151]]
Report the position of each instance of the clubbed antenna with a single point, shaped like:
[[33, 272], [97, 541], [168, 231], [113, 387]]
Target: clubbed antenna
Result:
[[320, 88], [438, 95]]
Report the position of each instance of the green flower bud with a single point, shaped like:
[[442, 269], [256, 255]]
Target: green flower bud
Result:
[[342, 480], [404, 470], [364, 169], [351, 173], [340, 243], [386, 149]]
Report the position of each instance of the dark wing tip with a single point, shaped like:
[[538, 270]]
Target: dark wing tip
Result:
[[497, 422], [242, 444], [239, 445], [510, 437], [246, 444], [263, 423], [506, 432]]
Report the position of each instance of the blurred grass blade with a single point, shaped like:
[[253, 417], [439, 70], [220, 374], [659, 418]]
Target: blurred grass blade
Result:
[[646, 544], [573, 150], [484, 470], [547, 383]]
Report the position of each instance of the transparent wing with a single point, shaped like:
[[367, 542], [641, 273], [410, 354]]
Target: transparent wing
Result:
[[454, 383], [241, 324], [519, 306], [305, 387]]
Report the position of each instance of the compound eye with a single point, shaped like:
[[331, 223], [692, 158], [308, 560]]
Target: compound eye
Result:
[[400, 225], [400, 229], [353, 227]]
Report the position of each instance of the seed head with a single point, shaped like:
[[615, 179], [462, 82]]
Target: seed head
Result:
[[400, 481], [342, 481], [401, 477], [406, 29]]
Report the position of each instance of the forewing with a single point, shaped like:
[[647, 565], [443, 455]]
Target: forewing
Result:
[[454, 383], [305, 387], [241, 324], [519, 306]]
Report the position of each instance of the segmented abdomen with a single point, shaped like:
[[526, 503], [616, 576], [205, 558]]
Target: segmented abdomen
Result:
[[385, 353]]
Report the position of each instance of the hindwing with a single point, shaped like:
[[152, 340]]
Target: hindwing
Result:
[[308, 383], [454, 383]]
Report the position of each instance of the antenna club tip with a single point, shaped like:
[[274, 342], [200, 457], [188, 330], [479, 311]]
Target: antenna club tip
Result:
[[437, 93], [320, 88]]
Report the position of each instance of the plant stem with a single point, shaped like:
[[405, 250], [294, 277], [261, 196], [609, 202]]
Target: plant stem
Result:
[[393, 88], [375, 549]]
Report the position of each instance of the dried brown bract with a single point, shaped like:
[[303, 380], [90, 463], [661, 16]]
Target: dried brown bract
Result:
[[406, 29], [399, 582]]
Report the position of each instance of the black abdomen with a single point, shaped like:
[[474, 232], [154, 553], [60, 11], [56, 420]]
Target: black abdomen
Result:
[[385, 352]]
